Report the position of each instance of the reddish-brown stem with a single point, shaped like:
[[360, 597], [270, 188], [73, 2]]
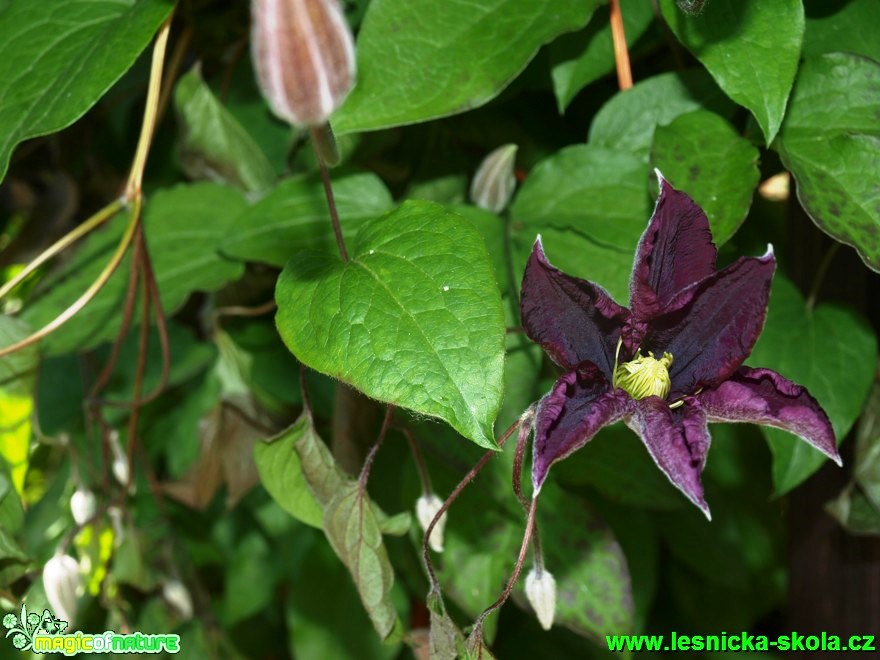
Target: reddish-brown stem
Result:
[[139, 370], [520, 560], [621, 53], [469, 477], [331, 206], [424, 476], [371, 456]]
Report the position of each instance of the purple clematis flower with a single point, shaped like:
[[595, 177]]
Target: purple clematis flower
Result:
[[669, 365]]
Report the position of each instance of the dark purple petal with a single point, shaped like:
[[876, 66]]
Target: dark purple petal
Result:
[[762, 396], [713, 325], [580, 403], [675, 251], [574, 320], [678, 441]]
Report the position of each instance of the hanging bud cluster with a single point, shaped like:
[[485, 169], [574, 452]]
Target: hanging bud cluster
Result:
[[494, 182], [303, 53]]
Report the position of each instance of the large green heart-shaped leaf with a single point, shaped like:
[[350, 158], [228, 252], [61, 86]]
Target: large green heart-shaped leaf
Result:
[[702, 154], [416, 58], [58, 58], [834, 27], [752, 50], [591, 206], [294, 217], [627, 122], [831, 148], [829, 350], [414, 319]]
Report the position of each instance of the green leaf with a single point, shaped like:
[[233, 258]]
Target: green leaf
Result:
[[628, 120], [831, 147], [702, 154], [593, 596], [17, 370], [752, 50], [586, 56], [354, 533], [294, 217], [598, 197], [446, 641], [414, 319], [830, 351], [282, 475], [416, 58], [213, 145], [184, 227], [850, 27], [9, 550], [58, 59]]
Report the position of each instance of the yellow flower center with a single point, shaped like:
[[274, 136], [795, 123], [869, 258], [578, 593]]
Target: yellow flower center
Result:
[[644, 376]]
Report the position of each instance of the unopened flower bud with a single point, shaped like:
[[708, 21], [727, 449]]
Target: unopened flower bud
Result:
[[61, 581], [541, 592], [82, 505], [427, 507], [494, 183], [303, 53], [177, 596], [119, 463]]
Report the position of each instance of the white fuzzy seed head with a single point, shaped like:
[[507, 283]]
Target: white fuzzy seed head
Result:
[[541, 592], [427, 507]]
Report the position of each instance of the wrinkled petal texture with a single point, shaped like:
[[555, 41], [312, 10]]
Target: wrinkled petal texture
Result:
[[572, 319], [580, 403], [678, 441], [713, 325], [675, 251], [762, 396]]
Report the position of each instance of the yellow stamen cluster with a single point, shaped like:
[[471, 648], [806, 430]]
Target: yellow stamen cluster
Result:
[[644, 376]]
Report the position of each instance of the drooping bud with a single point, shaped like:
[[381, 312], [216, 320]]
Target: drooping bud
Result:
[[119, 461], [82, 505], [494, 182], [61, 581], [541, 592], [427, 507], [303, 53], [177, 596]]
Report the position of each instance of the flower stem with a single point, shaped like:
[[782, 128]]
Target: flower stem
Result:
[[371, 456], [424, 475], [621, 53], [819, 278], [317, 144]]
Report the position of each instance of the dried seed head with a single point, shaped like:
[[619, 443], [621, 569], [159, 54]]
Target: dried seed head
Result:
[[61, 582], [494, 182], [541, 592], [427, 507], [303, 53]]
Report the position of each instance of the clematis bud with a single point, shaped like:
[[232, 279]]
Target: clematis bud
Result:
[[82, 505], [427, 507], [119, 464], [177, 596], [494, 182], [61, 582], [541, 592], [303, 53]]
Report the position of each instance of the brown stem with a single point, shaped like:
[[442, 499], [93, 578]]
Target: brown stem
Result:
[[621, 53], [469, 477], [139, 370], [368, 461], [424, 475], [331, 205], [520, 560]]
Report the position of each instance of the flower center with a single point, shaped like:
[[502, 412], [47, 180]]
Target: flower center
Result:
[[644, 376]]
